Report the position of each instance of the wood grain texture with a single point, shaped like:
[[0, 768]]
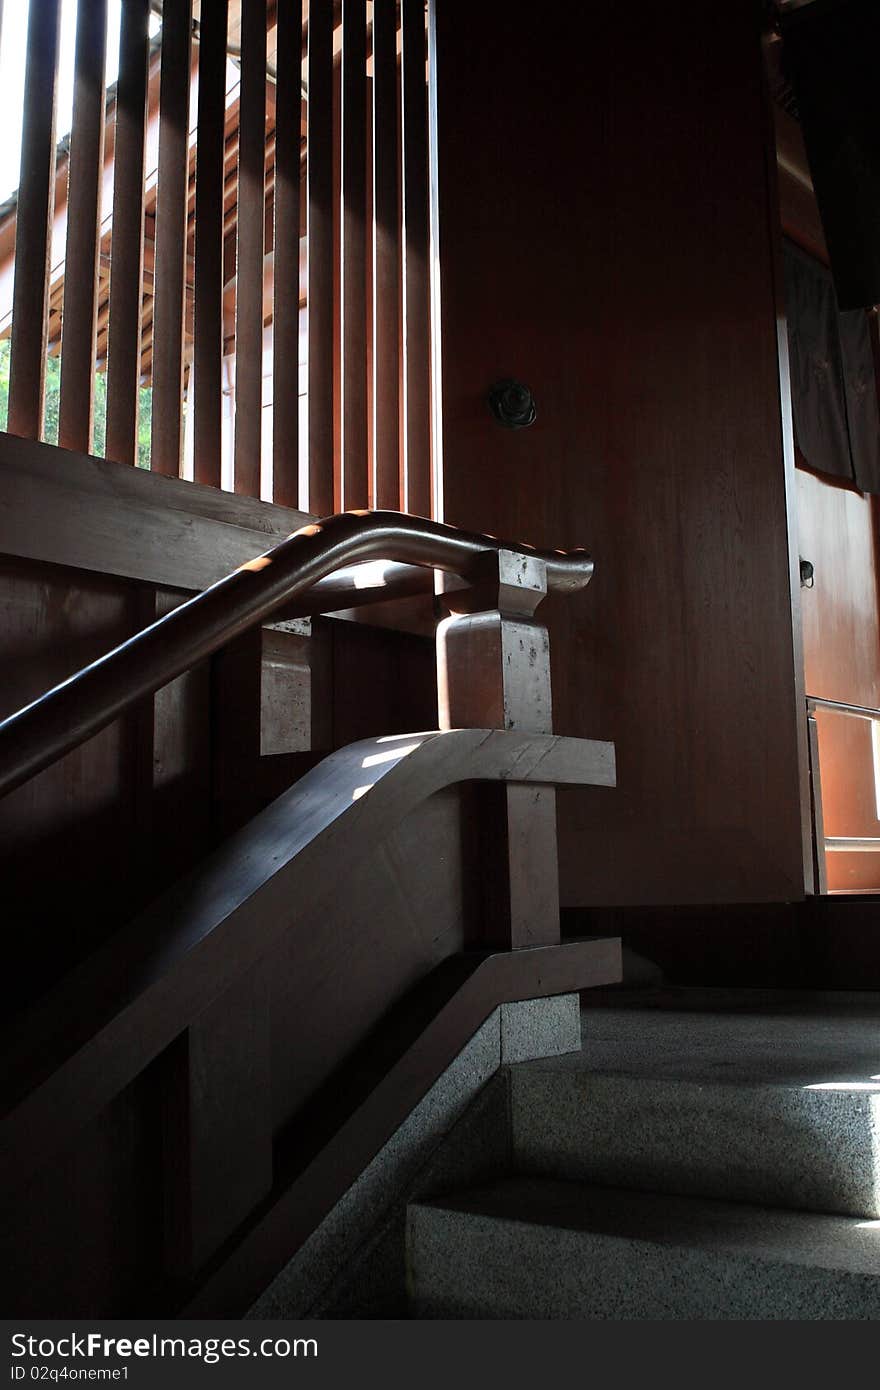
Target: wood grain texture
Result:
[[250, 251], [353, 258], [286, 306], [94, 514], [837, 528], [351, 1119], [320, 264], [647, 334], [841, 612], [30, 298], [218, 1124], [208, 309], [166, 438], [127, 251], [76, 406], [53, 622], [386, 260], [417, 488], [111, 1018]]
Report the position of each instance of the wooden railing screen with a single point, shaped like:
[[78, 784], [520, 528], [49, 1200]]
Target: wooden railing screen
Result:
[[245, 222]]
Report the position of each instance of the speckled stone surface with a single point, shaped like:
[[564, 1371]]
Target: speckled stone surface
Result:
[[540, 1028], [544, 1249], [355, 1259], [776, 1105]]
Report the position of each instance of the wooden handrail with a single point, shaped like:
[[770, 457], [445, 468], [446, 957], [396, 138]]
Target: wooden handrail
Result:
[[42, 732]]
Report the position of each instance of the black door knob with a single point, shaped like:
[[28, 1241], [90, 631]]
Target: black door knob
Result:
[[512, 404]]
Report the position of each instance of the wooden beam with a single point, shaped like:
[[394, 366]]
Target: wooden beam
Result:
[[94, 514]]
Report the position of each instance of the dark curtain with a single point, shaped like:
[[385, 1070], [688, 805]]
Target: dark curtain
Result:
[[833, 386], [832, 53]]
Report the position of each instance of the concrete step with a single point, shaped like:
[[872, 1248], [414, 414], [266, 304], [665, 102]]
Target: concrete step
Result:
[[537, 1248], [768, 1105]]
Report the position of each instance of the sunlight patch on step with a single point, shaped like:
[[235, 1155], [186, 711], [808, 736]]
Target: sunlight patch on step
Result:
[[871, 1087]]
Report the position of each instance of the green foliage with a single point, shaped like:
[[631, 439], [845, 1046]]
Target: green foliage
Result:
[[53, 397]]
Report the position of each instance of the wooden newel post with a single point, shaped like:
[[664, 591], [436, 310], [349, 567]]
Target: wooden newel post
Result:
[[493, 672]]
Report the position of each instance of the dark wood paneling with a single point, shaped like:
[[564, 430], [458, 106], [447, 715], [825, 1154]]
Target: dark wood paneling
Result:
[[33, 224], [67, 836], [170, 263], [208, 309], [382, 900], [85, 1239], [218, 1123], [639, 307], [394, 675], [83, 222]]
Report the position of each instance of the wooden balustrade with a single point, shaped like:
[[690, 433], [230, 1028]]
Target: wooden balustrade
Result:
[[271, 233], [284, 1042]]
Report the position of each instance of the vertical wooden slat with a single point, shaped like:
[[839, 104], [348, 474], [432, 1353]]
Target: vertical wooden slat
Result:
[[416, 292], [33, 225], [320, 250], [127, 247], [170, 273], [285, 314], [386, 260], [76, 405], [208, 314], [355, 482], [249, 258]]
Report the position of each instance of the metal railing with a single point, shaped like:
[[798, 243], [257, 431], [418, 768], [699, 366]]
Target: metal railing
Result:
[[309, 572]]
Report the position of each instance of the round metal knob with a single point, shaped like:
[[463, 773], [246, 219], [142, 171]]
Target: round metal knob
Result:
[[512, 404]]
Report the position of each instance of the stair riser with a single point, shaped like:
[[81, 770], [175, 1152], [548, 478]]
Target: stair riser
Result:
[[789, 1146], [463, 1265]]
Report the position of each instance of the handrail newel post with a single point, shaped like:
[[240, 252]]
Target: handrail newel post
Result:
[[493, 672]]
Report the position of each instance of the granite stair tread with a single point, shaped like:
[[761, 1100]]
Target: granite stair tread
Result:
[[775, 1107], [542, 1248]]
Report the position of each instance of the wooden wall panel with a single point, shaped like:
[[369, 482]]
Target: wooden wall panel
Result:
[[841, 612], [65, 837], [837, 529], [615, 254], [86, 1240]]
